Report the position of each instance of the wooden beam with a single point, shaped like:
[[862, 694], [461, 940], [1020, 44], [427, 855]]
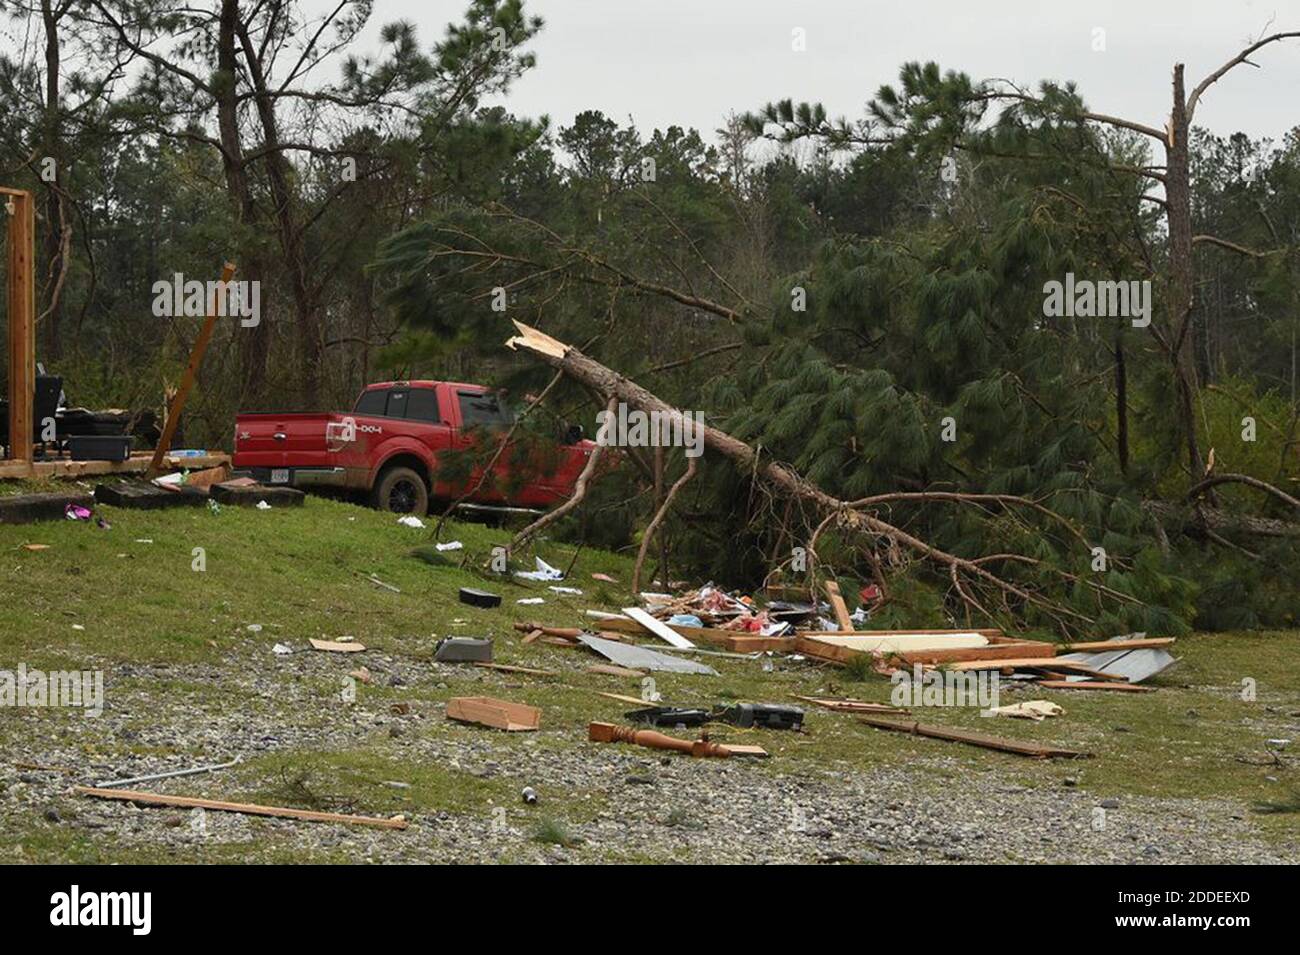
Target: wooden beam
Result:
[[189, 802], [1105, 646], [191, 372], [21, 305], [1094, 685], [136, 464], [1019, 747]]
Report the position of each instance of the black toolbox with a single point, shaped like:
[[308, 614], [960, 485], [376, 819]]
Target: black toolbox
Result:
[[99, 447]]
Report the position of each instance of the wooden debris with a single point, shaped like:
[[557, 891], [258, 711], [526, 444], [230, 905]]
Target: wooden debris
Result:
[[852, 706], [737, 641], [610, 733], [610, 669], [379, 583], [904, 643], [658, 628], [35, 546], [189, 802], [335, 646], [1105, 646], [240, 495], [1019, 747], [529, 629], [622, 698], [1034, 663], [501, 714], [999, 647], [838, 607], [1094, 685]]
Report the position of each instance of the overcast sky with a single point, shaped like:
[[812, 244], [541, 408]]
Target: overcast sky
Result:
[[690, 61]]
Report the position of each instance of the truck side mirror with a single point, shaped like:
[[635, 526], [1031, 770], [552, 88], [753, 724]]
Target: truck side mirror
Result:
[[573, 434]]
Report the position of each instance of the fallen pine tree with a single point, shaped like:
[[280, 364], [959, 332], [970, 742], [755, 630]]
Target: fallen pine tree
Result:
[[970, 578]]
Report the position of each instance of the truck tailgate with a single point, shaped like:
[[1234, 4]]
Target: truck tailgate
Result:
[[273, 440]]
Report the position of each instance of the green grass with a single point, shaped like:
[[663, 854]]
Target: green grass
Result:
[[301, 572]]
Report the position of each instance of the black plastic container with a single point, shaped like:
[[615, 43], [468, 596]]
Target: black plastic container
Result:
[[99, 447]]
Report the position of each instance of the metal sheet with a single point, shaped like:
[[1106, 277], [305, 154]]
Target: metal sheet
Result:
[[1133, 665], [640, 658]]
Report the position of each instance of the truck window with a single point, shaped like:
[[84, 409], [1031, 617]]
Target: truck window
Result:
[[371, 402], [396, 407], [422, 405], [483, 410]]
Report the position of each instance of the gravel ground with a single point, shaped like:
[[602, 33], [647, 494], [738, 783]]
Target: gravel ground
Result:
[[638, 806]]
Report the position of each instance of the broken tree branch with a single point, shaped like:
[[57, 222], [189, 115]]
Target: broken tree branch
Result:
[[1242, 57], [653, 526], [579, 491]]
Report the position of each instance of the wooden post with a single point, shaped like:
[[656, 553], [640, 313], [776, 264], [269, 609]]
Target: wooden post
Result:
[[22, 319], [191, 372]]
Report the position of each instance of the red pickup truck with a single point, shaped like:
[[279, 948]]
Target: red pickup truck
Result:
[[390, 443]]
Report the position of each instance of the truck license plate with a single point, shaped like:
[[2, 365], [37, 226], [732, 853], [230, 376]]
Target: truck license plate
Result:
[[280, 476]]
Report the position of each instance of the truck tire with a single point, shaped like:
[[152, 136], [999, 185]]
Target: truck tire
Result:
[[401, 491]]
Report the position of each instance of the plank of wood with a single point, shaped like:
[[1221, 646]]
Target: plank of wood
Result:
[[989, 632], [1034, 663], [998, 648], [528, 627], [1105, 646], [21, 276], [624, 698], [740, 749], [851, 706], [501, 714], [658, 628], [335, 646], [838, 607], [191, 802], [1019, 747], [177, 404], [1094, 685], [905, 642], [609, 669]]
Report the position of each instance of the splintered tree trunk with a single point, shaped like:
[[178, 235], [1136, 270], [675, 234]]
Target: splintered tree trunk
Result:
[[1178, 196]]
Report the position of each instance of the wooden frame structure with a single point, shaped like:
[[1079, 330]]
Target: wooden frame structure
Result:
[[20, 208]]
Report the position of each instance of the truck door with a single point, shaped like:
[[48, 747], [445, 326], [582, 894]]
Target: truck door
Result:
[[483, 418]]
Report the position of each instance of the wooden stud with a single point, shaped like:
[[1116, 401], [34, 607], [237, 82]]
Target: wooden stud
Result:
[[189, 802], [177, 404], [22, 322], [1019, 747]]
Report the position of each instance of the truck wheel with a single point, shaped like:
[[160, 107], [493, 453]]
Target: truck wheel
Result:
[[401, 491]]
